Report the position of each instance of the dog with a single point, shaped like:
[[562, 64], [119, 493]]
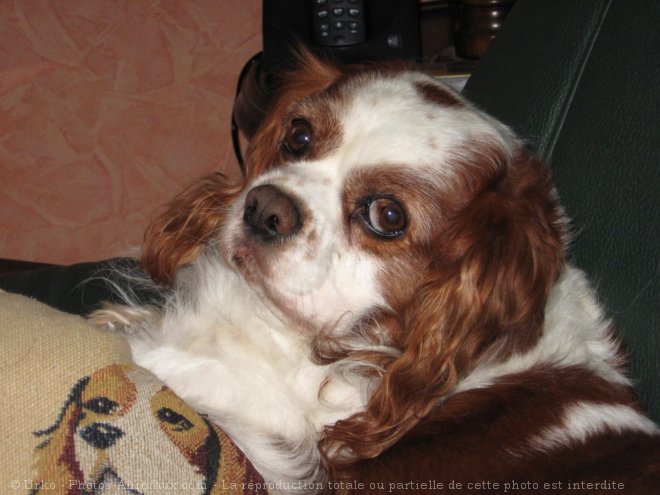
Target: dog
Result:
[[385, 303]]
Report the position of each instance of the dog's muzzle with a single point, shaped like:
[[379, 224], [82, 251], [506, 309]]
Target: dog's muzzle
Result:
[[271, 214]]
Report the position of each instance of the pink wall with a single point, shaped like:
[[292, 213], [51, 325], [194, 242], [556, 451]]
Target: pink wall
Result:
[[107, 108]]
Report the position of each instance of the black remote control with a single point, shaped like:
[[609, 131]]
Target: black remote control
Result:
[[338, 22]]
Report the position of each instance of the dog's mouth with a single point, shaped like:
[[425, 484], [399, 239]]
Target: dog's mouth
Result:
[[255, 264], [242, 256]]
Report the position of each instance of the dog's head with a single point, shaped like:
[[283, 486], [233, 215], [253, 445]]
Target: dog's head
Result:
[[118, 413], [381, 203]]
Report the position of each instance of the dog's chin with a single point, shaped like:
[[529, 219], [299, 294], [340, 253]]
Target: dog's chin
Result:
[[307, 308]]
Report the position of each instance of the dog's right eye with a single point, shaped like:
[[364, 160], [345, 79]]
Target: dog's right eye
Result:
[[179, 422], [384, 216], [101, 405], [298, 137]]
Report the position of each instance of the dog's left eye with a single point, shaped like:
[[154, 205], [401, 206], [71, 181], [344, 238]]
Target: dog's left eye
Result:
[[101, 405], [298, 137], [384, 216]]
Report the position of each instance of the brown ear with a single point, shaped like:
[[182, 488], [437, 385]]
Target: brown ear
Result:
[[484, 294], [505, 250], [189, 222]]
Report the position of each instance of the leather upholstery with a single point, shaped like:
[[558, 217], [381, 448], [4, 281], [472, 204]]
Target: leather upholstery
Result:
[[581, 82], [78, 289]]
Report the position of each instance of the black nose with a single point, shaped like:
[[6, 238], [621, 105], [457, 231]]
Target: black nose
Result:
[[101, 435], [271, 214]]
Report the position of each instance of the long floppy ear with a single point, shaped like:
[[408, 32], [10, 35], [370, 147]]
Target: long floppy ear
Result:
[[179, 233], [484, 297]]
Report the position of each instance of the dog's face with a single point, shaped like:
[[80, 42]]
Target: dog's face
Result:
[[364, 175], [113, 415]]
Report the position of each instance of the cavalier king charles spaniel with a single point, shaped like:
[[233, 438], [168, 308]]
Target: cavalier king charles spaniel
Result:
[[384, 303]]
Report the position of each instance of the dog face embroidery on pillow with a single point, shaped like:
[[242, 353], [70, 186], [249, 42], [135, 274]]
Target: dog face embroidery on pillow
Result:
[[120, 429]]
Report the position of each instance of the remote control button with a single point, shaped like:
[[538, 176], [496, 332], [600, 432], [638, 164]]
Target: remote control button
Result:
[[354, 12], [393, 41], [324, 26], [353, 25], [338, 12], [321, 2], [339, 25], [322, 14]]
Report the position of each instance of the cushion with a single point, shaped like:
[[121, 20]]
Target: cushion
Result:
[[78, 415]]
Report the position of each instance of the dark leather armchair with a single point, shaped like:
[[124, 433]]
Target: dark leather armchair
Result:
[[581, 82]]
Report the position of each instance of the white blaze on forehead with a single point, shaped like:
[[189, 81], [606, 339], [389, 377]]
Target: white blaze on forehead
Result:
[[389, 121]]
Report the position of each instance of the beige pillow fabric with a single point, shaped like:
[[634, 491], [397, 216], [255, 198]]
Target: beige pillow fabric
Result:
[[77, 415]]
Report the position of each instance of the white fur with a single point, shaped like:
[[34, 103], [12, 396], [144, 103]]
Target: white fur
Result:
[[575, 332], [327, 281], [230, 356], [583, 420], [389, 123]]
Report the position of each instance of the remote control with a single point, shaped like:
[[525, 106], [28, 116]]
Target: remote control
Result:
[[338, 22]]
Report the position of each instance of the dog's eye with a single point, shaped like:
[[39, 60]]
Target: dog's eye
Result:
[[298, 137], [179, 422], [384, 216], [101, 405]]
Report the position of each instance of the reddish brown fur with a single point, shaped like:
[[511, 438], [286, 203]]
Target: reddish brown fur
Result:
[[486, 272], [482, 436], [265, 149], [178, 234]]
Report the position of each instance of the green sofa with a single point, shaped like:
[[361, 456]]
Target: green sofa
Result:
[[580, 80]]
